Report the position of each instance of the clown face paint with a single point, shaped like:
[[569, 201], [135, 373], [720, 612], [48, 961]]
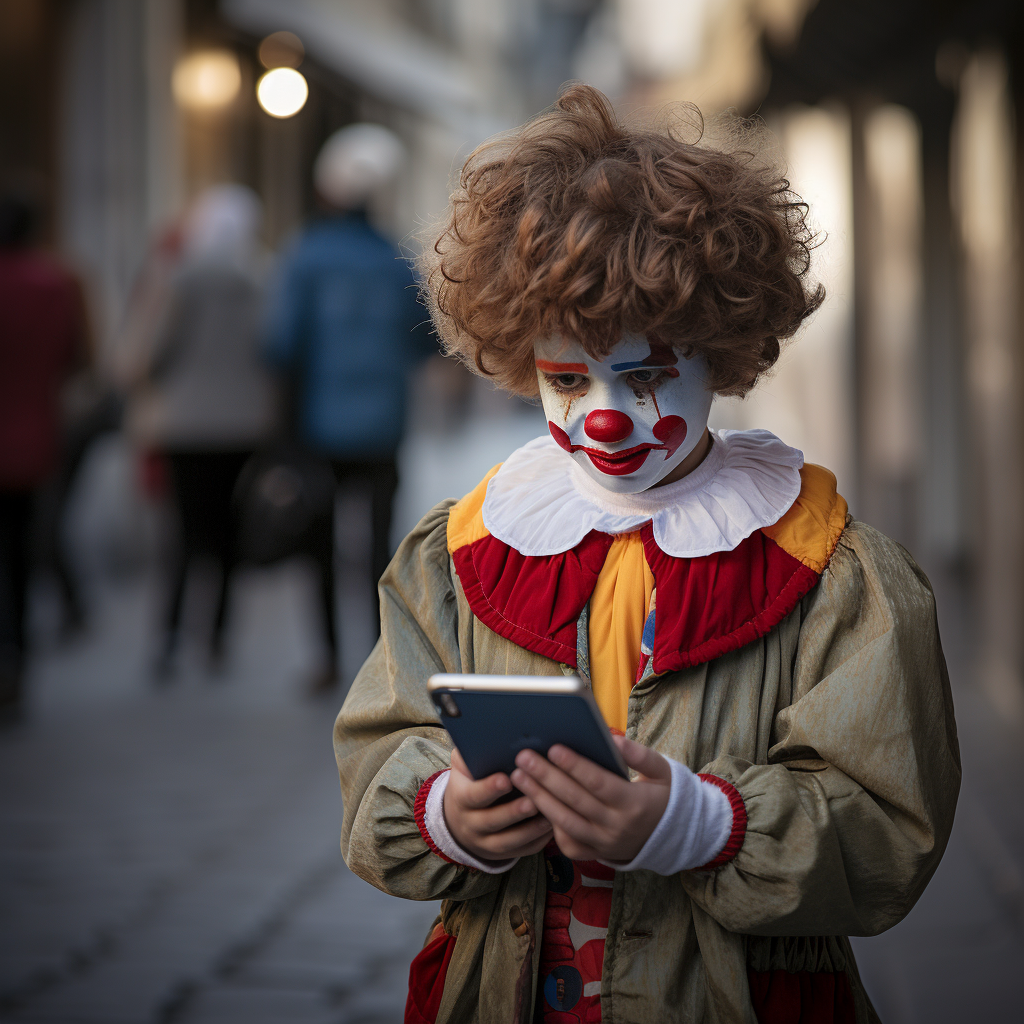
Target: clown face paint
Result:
[[629, 419]]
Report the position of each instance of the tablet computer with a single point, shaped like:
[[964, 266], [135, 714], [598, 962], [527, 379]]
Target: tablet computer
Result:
[[491, 718]]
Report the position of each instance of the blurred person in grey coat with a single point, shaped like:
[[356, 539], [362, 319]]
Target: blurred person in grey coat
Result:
[[203, 396]]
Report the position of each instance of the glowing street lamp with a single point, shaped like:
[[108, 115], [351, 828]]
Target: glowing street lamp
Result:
[[282, 92], [206, 80]]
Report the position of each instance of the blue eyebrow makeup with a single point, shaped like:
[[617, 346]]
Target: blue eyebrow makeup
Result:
[[662, 357]]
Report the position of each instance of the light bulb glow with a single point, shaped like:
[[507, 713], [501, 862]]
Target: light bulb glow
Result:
[[282, 92], [207, 79]]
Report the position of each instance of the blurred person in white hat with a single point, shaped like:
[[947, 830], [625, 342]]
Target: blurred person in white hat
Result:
[[347, 328], [355, 163]]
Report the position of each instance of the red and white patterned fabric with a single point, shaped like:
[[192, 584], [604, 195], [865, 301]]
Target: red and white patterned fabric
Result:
[[579, 900]]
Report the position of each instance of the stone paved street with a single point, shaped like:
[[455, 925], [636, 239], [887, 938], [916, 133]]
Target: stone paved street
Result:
[[959, 955], [170, 853]]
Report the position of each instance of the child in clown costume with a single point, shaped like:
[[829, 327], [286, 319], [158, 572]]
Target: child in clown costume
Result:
[[773, 665]]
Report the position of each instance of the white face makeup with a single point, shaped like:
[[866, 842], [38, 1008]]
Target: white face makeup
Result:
[[629, 419]]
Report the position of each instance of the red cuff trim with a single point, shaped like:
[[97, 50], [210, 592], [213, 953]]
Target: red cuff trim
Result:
[[419, 810], [739, 822]]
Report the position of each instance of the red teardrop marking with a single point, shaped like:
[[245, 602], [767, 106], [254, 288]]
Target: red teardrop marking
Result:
[[608, 425], [671, 432], [560, 436]]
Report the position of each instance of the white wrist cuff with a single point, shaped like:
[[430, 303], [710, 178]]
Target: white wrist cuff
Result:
[[433, 821], [693, 830]]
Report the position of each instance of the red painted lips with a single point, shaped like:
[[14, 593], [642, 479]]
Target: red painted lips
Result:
[[671, 430], [620, 463]]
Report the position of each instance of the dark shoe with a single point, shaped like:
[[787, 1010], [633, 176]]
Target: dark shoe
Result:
[[323, 681], [11, 695], [164, 668], [216, 664]]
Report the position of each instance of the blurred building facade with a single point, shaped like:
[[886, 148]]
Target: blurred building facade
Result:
[[898, 122], [929, 93]]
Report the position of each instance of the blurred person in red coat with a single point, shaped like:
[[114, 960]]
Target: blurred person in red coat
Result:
[[43, 337]]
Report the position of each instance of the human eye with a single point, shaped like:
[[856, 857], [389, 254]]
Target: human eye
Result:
[[567, 383], [645, 379]]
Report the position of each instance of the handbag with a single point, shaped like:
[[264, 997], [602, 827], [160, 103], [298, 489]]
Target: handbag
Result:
[[284, 504]]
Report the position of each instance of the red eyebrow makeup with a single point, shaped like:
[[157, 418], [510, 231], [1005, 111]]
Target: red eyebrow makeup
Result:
[[547, 367]]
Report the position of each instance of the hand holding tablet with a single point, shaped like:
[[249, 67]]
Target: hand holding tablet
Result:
[[485, 823], [546, 736]]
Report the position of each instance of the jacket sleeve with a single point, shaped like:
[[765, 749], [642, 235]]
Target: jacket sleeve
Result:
[[388, 740], [848, 820]]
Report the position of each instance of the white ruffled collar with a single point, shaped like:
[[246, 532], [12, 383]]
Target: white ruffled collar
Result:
[[541, 503]]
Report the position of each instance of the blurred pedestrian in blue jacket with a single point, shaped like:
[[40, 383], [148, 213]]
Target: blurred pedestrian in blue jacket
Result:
[[347, 327]]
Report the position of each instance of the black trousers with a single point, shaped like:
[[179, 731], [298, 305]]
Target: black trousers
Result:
[[15, 537], [202, 485], [380, 477]]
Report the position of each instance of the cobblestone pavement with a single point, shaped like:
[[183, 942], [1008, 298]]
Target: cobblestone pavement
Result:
[[959, 955], [170, 854]]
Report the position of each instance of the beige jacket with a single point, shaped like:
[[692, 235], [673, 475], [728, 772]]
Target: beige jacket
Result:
[[836, 728]]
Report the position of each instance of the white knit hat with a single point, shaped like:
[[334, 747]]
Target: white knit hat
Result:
[[224, 220], [356, 161]]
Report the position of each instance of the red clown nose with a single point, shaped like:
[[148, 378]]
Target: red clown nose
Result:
[[608, 425]]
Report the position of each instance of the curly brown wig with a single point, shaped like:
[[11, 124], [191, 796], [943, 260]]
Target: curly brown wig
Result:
[[577, 225]]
